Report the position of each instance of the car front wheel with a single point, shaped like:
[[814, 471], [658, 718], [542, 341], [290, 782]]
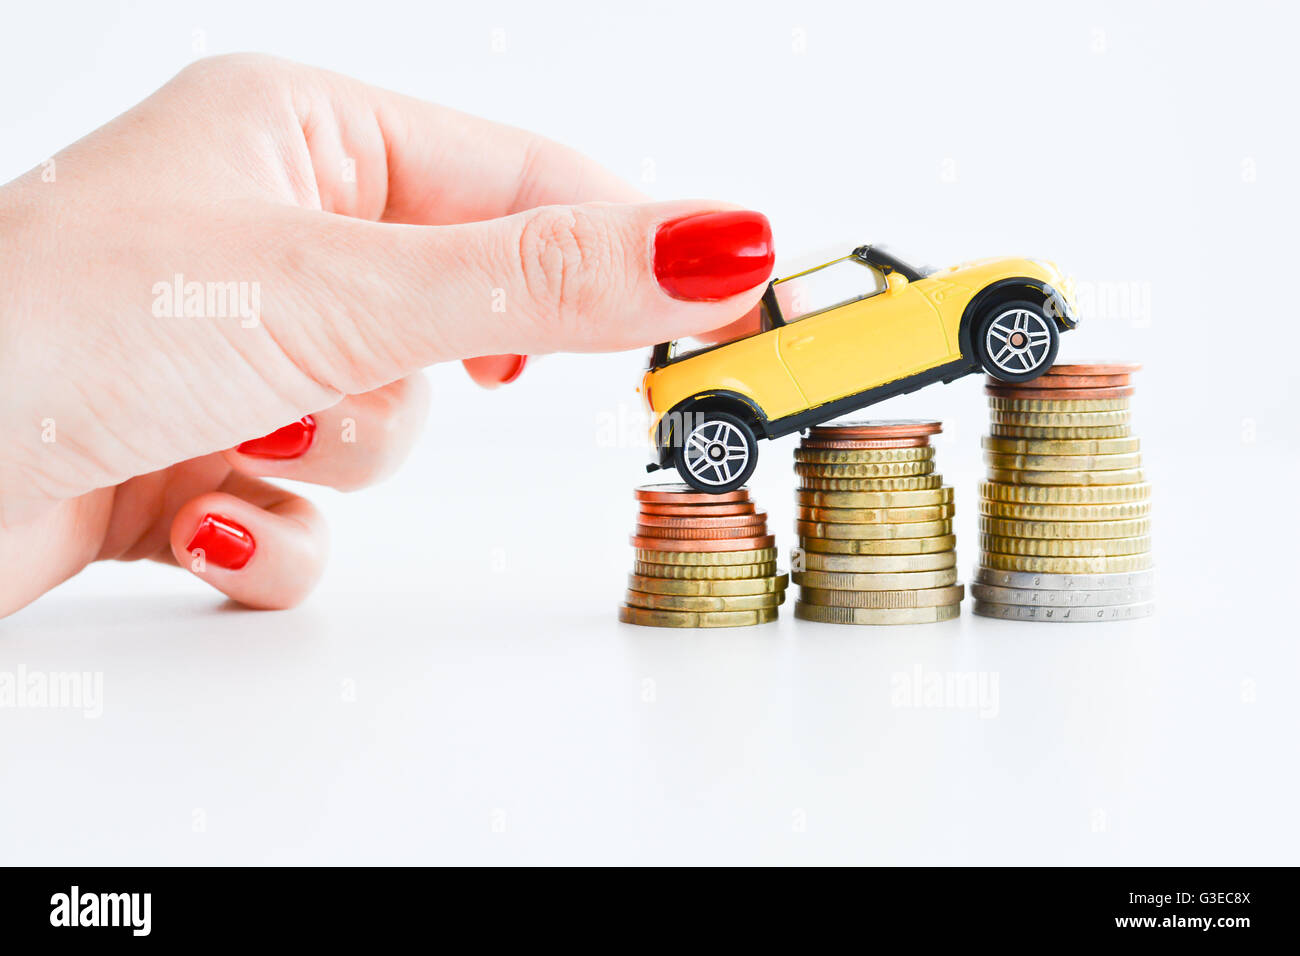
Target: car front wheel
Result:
[[716, 451], [1017, 341]]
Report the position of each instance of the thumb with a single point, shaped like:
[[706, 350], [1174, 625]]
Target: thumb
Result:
[[583, 278]]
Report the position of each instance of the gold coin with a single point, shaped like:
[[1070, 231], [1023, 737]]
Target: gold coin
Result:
[[901, 581], [1066, 530], [875, 515], [769, 584], [648, 617], [862, 615], [898, 546], [922, 597], [1078, 419], [873, 499], [702, 545], [1120, 511], [1074, 446], [1119, 476], [1058, 404], [1062, 462], [1112, 564], [879, 469], [753, 556], [871, 563], [910, 483], [703, 536], [913, 529], [1064, 495], [1057, 548], [861, 456], [704, 572], [1059, 432], [703, 602]]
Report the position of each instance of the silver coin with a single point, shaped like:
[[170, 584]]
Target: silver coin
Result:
[[1064, 582], [1064, 615], [1047, 597]]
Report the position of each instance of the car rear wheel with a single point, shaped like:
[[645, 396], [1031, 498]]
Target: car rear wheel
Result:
[[1017, 341], [717, 451]]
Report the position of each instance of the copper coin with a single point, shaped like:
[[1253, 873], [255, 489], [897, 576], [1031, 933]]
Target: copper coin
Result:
[[837, 444], [701, 534], [695, 511], [703, 544], [681, 494], [877, 428], [705, 521], [1068, 381], [1096, 368], [1059, 394]]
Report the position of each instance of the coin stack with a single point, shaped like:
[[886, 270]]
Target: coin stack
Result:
[[875, 526], [702, 560], [1065, 513]]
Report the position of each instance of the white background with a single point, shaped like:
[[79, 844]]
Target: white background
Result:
[[458, 690]]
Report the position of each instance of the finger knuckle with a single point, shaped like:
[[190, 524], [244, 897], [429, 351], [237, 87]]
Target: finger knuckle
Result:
[[236, 72], [567, 257]]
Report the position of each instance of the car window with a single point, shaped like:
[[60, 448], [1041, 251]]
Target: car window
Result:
[[834, 284], [747, 325], [681, 348]]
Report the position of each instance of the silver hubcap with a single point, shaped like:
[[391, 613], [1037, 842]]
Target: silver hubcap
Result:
[[1018, 340], [716, 453]]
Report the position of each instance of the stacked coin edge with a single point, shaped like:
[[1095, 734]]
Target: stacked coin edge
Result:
[[701, 560], [874, 524], [1065, 507]]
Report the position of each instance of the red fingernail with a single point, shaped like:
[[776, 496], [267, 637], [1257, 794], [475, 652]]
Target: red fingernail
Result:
[[291, 441], [520, 362], [223, 542], [713, 255]]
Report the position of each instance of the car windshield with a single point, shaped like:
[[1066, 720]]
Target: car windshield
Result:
[[751, 324], [681, 348]]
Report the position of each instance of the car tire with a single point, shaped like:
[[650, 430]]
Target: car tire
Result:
[[717, 451], [996, 341]]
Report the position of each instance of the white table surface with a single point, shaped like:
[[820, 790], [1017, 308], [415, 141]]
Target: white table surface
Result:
[[424, 707]]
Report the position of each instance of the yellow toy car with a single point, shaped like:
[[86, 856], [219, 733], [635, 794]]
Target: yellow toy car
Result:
[[838, 337]]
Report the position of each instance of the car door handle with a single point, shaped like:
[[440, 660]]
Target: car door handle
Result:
[[803, 340]]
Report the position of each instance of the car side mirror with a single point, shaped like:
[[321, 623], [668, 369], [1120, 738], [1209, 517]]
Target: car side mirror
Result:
[[895, 283]]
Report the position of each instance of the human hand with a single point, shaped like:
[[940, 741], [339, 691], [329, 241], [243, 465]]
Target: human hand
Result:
[[339, 238]]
